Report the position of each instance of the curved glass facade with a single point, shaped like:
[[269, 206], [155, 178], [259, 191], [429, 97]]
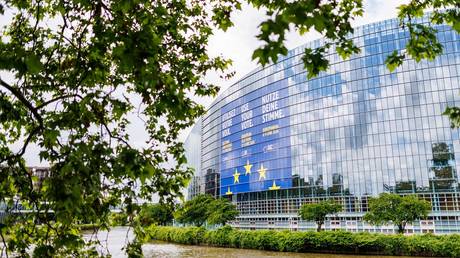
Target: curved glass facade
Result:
[[279, 140], [192, 146]]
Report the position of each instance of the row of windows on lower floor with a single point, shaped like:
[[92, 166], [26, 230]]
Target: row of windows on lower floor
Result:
[[353, 204], [431, 225], [384, 231], [343, 219]]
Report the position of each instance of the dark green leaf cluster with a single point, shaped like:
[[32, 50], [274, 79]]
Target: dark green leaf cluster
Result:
[[157, 214], [317, 212], [423, 43], [220, 211], [204, 208], [324, 241], [332, 19], [396, 209], [74, 73], [454, 115]]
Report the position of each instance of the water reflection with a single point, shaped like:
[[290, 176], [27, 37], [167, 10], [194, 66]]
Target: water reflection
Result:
[[166, 250], [114, 241]]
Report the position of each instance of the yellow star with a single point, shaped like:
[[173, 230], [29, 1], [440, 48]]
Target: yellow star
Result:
[[274, 186], [248, 167], [236, 176], [228, 191], [262, 172]]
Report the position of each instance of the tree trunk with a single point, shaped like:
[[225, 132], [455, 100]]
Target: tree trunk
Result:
[[401, 227], [318, 229]]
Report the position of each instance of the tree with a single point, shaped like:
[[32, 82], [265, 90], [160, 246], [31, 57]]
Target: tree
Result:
[[195, 211], [204, 208], [158, 214], [396, 209], [220, 211], [74, 70], [73, 75], [317, 212]]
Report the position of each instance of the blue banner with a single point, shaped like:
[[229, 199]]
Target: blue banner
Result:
[[255, 138]]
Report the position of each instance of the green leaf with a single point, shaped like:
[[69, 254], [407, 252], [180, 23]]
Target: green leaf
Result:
[[394, 60], [314, 61], [33, 64]]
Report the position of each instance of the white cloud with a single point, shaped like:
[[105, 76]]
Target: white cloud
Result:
[[240, 41]]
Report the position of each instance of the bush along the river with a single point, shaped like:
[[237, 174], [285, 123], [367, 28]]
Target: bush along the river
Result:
[[324, 242]]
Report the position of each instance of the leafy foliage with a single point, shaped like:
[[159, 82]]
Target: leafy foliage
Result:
[[317, 212], [204, 208], [325, 241], [220, 211], [118, 219], [454, 115], [195, 211], [72, 73], [332, 19], [158, 214], [396, 209]]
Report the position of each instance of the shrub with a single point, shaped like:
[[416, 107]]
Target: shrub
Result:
[[118, 219], [219, 237], [287, 241], [325, 241]]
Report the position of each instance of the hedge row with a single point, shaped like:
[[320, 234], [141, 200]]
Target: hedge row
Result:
[[324, 242], [87, 226]]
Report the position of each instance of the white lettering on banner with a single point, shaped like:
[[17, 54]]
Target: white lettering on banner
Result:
[[226, 132], [246, 124], [270, 97], [246, 117], [245, 153], [227, 124], [268, 148], [270, 107], [245, 107], [272, 116], [229, 114]]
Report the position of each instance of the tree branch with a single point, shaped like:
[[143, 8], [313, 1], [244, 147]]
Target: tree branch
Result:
[[23, 100], [46, 103], [4, 243]]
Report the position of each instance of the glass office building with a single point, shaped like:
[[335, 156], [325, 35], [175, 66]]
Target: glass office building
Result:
[[275, 139]]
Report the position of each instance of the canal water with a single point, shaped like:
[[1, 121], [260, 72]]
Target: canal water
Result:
[[114, 240]]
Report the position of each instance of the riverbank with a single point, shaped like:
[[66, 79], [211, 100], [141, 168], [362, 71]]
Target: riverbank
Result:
[[337, 242]]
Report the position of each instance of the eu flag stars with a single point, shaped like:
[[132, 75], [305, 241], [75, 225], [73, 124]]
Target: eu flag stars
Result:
[[228, 191], [274, 186], [247, 167], [236, 177], [262, 172]]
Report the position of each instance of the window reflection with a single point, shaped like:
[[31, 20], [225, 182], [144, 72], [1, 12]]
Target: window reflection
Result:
[[358, 130]]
